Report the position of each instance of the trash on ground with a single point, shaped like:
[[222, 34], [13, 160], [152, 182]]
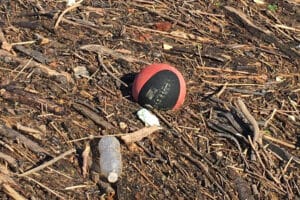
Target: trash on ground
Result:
[[147, 117], [110, 158]]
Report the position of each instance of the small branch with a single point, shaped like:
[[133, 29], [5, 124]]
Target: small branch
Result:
[[109, 72], [256, 134], [14, 94], [270, 118], [102, 50], [33, 64], [283, 143], [22, 70], [256, 153], [15, 135], [145, 177], [12, 192], [92, 115], [11, 161], [205, 170], [35, 133], [45, 187], [59, 19], [167, 17], [258, 32], [46, 164]]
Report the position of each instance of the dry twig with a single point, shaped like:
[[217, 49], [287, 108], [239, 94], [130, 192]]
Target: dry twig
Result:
[[15, 135], [102, 50], [46, 164], [266, 35], [256, 134], [77, 4], [45, 187], [109, 72], [92, 115], [12, 192], [11, 161]]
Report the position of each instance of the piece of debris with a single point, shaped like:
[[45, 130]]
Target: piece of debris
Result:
[[110, 158], [70, 2], [147, 117]]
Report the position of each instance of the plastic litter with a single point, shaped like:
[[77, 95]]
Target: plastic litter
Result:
[[70, 2], [147, 117], [110, 158]]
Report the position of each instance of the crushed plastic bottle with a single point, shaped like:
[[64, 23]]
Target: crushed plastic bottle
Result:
[[110, 158]]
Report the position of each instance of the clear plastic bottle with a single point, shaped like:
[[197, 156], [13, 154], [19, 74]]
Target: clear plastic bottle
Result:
[[110, 158]]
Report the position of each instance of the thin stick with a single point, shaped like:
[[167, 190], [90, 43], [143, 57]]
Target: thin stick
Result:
[[286, 166], [223, 70], [45, 187], [286, 27], [91, 137], [12, 192], [145, 177], [222, 90], [167, 17], [21, 71], [12, 161], [270, 118], [77, 187], [109, 72], [46, 164], [256, 134], [33, 132], [231, 84], [283, 143], [256, 152], [22, 43], [205, 170], [77, 4]]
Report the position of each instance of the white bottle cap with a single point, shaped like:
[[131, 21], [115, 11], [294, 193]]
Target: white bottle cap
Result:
[[112, 177]]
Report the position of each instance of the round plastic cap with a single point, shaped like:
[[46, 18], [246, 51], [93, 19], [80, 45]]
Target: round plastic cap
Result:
[[112, 177]]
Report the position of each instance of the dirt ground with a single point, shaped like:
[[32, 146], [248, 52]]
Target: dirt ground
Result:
[[65, 80]]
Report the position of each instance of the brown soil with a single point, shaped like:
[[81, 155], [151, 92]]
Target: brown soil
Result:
[[230, 52]]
